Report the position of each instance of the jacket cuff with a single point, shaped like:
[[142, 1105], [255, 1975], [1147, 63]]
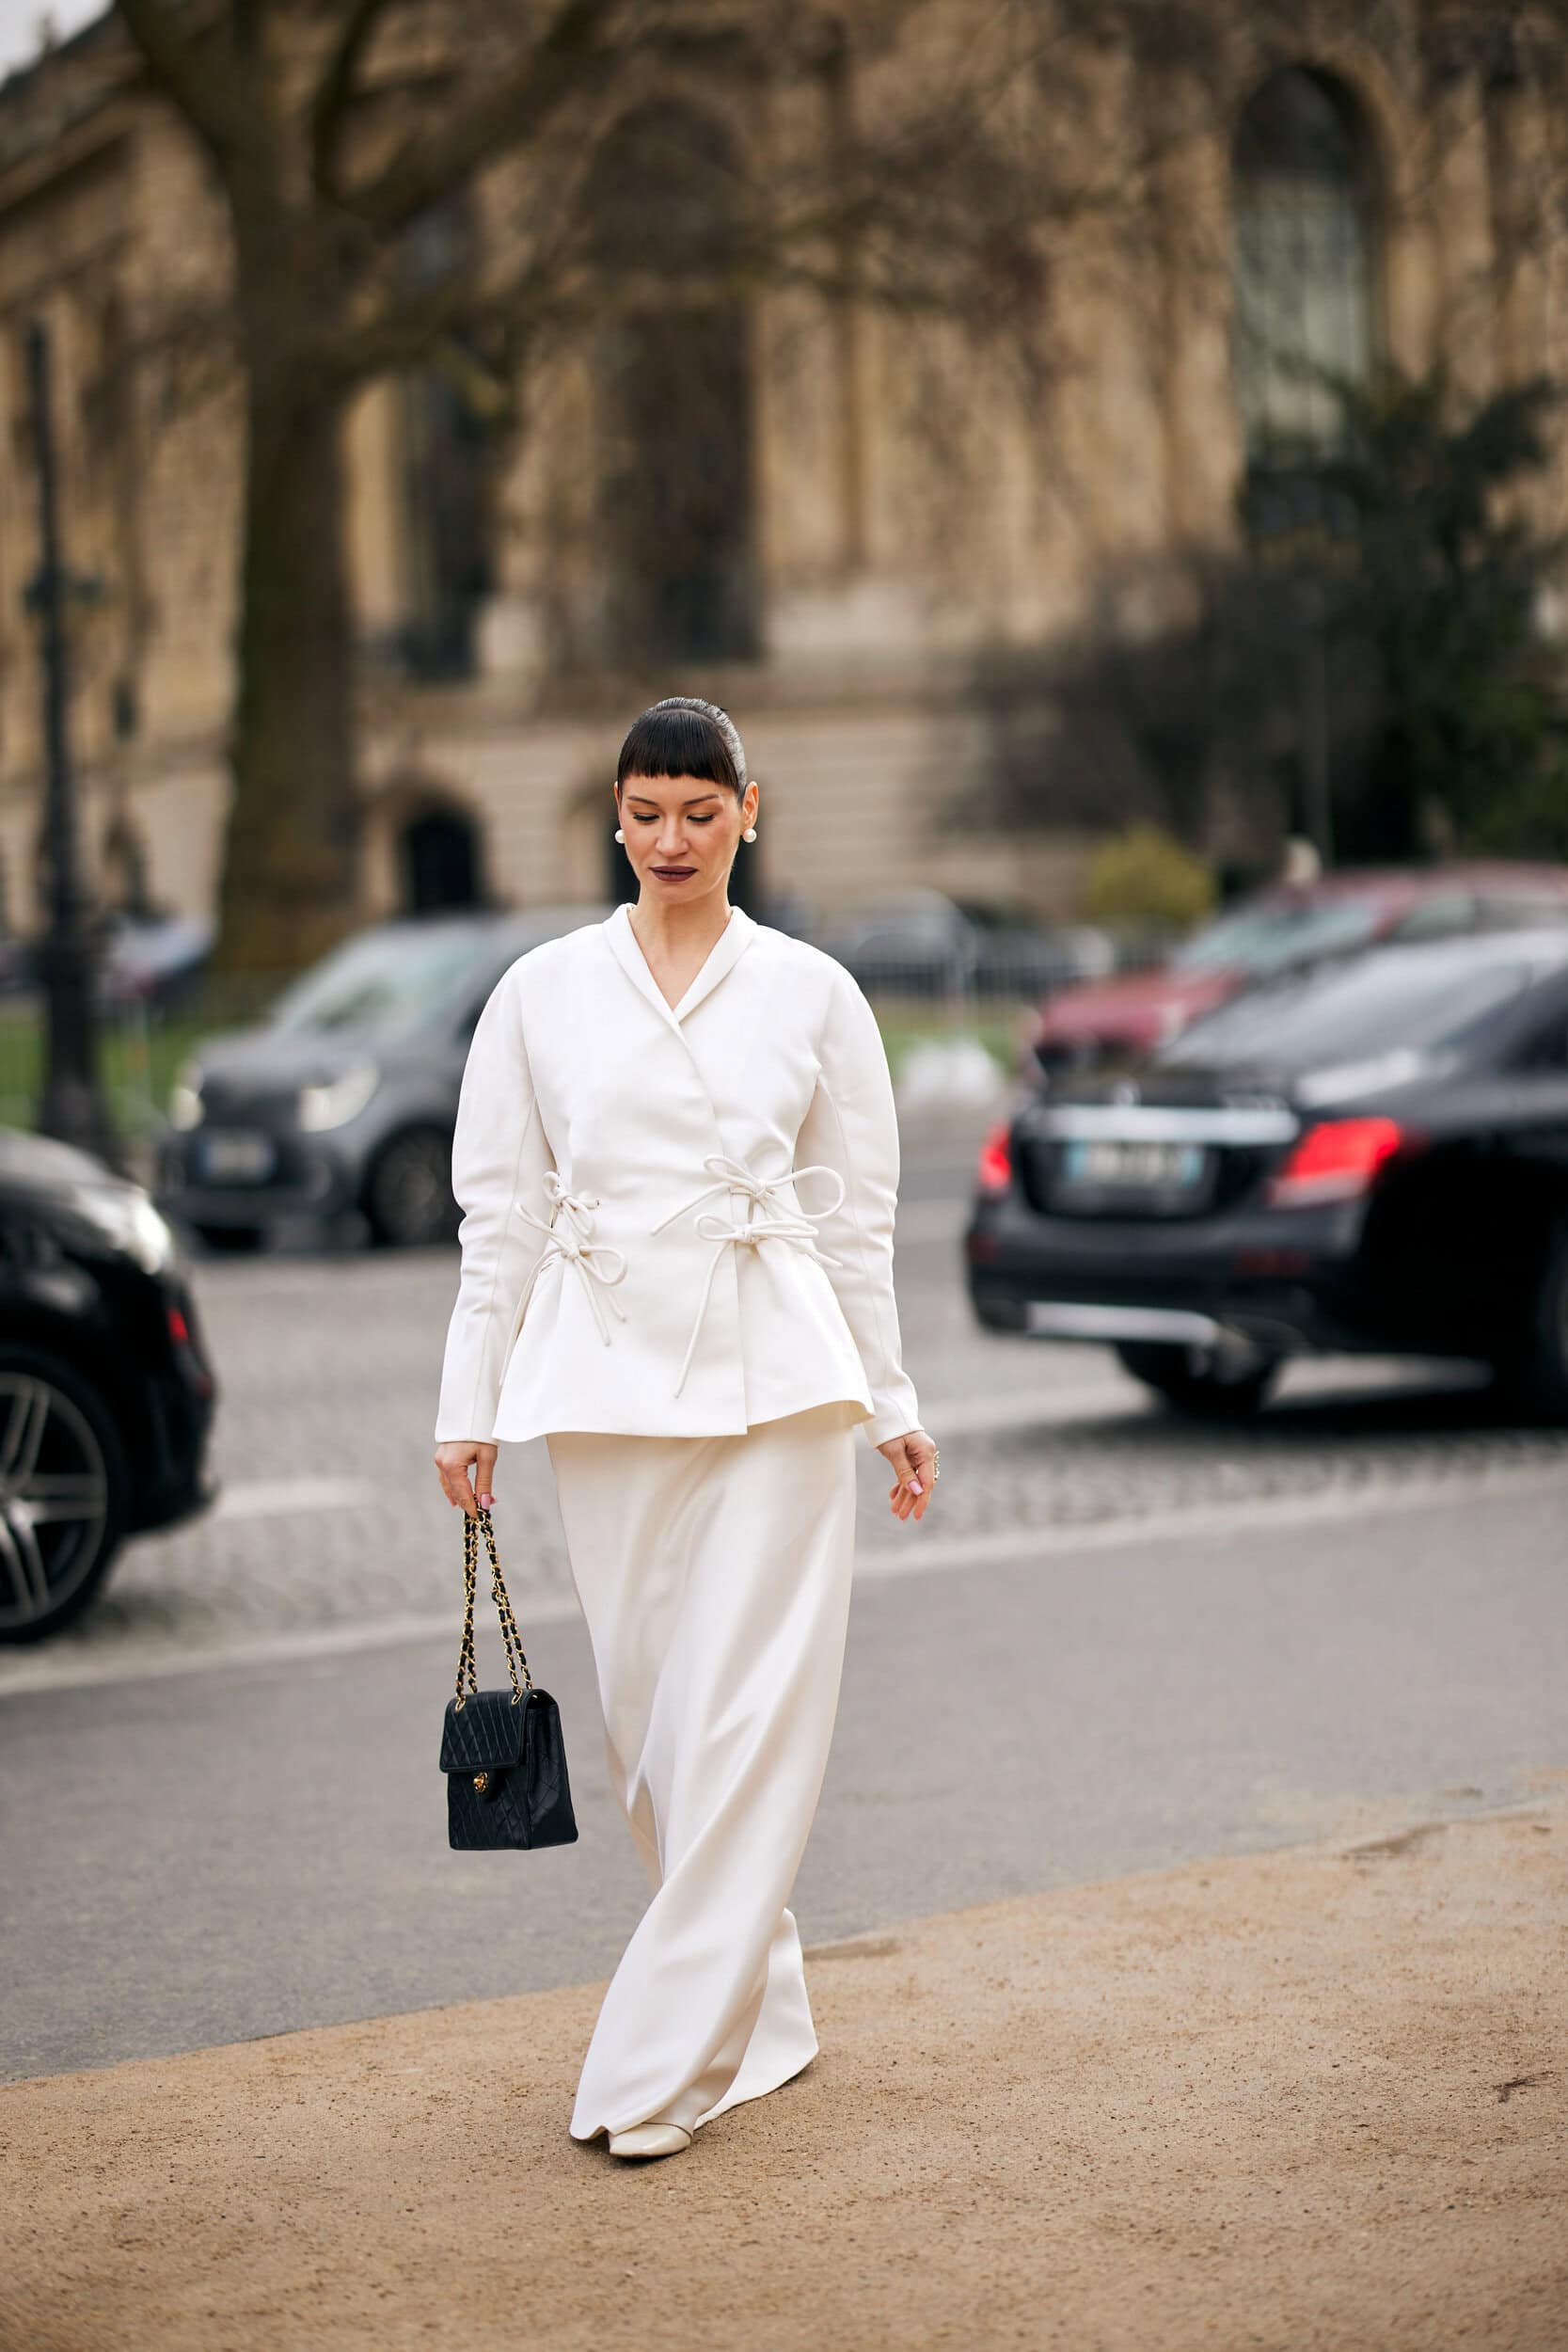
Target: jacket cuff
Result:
[[881, 1426], [463, 1429]]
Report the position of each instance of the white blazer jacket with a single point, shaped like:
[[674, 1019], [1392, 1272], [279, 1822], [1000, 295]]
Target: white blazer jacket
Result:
[[676, 1221]]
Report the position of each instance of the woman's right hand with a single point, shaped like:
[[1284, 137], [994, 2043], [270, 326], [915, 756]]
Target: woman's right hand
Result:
[[455, 1459]]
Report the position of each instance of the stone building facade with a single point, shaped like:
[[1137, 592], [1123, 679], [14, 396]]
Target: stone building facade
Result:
[[890, 553]]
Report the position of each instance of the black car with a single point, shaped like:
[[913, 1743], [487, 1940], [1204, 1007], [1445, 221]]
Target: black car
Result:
[[1370, 1157], [106, 1395], [344, 1098]]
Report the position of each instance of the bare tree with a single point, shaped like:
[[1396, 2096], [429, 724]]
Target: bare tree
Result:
[[912, 155], [336, 128]]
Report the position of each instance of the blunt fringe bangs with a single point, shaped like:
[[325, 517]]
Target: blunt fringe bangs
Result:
[[676, 742]]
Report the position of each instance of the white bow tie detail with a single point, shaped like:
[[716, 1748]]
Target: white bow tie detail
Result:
[[572, 1240], [767, 1219]]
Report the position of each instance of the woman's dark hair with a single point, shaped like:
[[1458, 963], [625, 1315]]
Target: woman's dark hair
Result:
[[685, 737]]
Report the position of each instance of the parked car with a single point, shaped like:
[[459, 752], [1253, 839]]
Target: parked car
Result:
[[106, 1393], [921, 942], [1370, 1156], [154, 959], [1283, 927], [345, 1096]]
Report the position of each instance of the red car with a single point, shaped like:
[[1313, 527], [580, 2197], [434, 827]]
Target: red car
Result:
[[1290, 923]]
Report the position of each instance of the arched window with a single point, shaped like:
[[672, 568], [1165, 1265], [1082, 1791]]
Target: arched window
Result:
[[440, 856], [445, 475], [1305, 248], [674, 375]]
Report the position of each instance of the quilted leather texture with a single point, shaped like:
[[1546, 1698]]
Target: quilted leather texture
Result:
[[527, 1799], [486, 1729]]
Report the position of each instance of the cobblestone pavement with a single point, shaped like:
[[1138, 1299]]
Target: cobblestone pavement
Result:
[[331, 1516]]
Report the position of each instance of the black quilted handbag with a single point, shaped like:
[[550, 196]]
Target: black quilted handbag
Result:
[[501, 1751]]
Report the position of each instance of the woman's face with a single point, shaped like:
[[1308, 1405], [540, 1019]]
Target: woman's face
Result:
[[682, 833]]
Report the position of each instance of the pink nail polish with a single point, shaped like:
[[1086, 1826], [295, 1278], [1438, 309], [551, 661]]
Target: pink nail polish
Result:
[[915, 1486]]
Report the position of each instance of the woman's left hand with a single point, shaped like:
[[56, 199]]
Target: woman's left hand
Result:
[[914, 1457]]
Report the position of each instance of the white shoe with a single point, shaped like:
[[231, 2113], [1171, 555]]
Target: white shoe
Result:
[[651, 2139]]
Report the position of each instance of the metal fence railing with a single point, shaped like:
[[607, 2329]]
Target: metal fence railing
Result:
[[930, 1000], [921, 1001]]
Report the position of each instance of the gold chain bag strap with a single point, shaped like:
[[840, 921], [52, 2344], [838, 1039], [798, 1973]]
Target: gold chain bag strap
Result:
[[502, 1752]]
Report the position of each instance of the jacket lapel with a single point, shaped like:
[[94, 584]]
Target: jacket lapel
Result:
[[728, 948]]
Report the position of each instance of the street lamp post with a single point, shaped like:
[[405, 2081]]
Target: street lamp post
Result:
[[1312, 623], [72, 1105]]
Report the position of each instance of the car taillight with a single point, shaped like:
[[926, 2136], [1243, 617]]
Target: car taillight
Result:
[[1336, 1160], [995, 1170], [187, 1355]]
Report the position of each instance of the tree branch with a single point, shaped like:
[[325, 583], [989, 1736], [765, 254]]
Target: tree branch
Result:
[[335, 91], [517, 104], [206, 97], [407, 328]]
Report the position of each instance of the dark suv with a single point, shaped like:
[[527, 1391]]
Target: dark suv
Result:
[[343, 1099]]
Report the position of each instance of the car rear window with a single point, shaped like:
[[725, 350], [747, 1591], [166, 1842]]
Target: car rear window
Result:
[[1271, 939], [1403, 997], [1521, 914]]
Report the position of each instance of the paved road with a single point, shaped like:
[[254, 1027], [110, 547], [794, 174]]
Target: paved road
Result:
[[332, 1522], [208, 1857], [1124, 1641]]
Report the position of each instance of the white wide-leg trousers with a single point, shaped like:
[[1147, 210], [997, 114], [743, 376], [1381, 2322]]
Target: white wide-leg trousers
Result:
[[714, 1574]]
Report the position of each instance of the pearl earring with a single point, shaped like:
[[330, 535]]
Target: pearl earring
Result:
[[619, 834], [750, 834]]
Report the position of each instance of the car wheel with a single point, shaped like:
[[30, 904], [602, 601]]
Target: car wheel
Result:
[[1533, 1374], [408, 1198], [228, 1241], [64, 1492], [1198, 1381]]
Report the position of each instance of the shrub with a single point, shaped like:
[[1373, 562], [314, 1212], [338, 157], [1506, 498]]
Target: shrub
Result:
[[1145, 875]]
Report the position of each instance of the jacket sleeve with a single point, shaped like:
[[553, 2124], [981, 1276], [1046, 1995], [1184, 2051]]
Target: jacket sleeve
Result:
[[852, 1126], [499, 1155]]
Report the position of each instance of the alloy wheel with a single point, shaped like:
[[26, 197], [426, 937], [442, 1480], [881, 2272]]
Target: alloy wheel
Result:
[[54, 1499]]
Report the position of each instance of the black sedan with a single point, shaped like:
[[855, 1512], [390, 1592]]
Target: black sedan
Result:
[[106, 1394], [343, 1100], [1371, 1158]]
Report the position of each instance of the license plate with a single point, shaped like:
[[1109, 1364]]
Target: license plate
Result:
[[236, 1155], [1121, 1162]]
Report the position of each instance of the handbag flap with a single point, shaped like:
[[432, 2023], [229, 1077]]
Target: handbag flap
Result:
[[485, 1733]]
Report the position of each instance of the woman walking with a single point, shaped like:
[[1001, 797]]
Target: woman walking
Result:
[[677, 1160]]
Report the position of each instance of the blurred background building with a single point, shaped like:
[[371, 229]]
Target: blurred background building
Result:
[[967, 612]]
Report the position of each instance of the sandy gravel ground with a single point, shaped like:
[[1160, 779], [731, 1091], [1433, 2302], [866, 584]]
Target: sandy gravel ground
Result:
[[1302, 2100]]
